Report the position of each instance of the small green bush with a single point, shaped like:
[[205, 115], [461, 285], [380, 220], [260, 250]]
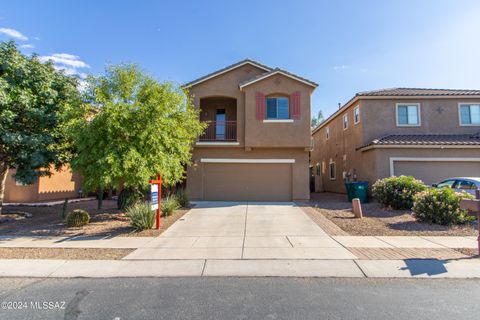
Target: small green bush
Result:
[[182, 198], [441, 206], [169, 204], [141, 216], [77, 218], [397, 192]]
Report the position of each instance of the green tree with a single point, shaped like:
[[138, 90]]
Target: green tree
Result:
[[33, 96], [131, 129], [317, 120]]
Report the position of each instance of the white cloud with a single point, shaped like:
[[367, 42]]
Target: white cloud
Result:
[[27, 46], [13, 33], [65, 59], [36, 38], [69, 63]]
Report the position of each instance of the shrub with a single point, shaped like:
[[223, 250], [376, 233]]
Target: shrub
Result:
[[77, 218], [397, 192], [169, 204], [141, 216], [441, 206], [182, 198], [128, 197]]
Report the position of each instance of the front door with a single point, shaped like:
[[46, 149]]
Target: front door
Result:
[[220, 124]]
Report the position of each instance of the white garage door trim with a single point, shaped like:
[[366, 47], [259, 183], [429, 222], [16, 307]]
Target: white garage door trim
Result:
[[427, 159], [218, 160]]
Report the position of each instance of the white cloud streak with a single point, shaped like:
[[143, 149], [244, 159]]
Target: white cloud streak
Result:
[[65, 59], [27, 46], [13, 34]]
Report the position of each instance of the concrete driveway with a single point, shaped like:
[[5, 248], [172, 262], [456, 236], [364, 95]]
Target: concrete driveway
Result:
[[241, 230]]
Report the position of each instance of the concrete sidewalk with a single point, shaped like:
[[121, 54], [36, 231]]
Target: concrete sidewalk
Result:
[[467, 268]]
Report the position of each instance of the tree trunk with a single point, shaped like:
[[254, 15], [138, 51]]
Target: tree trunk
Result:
[[3, 180], [100, 197]]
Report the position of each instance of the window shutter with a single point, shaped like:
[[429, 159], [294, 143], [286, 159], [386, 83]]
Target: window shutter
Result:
[[295, 101], [260, 104]]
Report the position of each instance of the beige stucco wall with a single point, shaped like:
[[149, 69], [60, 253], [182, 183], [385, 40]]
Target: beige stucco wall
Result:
[[380, 118], [339, 148], [226, 85], [382, 157], [256, 139], [62, 184], [261, 134], [300, 185]]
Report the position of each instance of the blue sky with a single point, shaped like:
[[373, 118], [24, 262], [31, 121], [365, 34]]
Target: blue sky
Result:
[[345, 46]]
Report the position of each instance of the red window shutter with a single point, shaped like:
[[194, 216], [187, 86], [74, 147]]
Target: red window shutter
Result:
[[295, 101], [260, 104]]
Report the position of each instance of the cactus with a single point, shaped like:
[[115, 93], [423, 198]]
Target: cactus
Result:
[[77, 218], [64, 208]]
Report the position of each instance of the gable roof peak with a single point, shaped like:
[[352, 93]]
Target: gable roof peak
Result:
[[226, 69]]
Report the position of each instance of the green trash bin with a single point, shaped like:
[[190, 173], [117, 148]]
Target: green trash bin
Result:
[[358, 190]]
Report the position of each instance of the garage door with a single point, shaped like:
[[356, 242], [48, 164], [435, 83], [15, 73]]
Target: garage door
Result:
[[435, 171], [248, 181]]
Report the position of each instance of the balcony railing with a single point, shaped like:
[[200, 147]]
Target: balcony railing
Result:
[[220, 131]]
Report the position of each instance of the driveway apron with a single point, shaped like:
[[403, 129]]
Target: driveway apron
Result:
[[243, 230]]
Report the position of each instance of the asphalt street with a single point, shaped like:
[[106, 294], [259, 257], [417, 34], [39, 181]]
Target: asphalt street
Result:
[[238, 298]]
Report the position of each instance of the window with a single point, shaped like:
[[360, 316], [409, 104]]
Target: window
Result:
[[469, 114], [345, 121], [317, 168], [408, 114], [332, 171], [277, 108], [327, 132], [446, 184], [356, 114], [465, 185]]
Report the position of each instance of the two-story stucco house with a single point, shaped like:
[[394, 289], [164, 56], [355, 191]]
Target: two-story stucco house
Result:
[[256, 146], [431, 134]]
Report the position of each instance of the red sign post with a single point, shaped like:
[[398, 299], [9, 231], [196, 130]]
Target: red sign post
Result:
[[156, 196]]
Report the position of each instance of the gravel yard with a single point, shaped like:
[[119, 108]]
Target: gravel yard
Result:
[[378, 221], [47, 221]]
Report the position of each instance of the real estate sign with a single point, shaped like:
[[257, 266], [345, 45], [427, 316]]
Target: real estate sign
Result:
[[154, 196]]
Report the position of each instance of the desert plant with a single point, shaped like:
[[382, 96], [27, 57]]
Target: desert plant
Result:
[[128, 197], [77, 218], [168, 205], [141, 216], [397, 192], [64, 208], [182, 198], [441, 206]]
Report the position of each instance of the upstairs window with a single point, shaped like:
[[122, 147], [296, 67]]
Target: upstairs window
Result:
[[277, 108], [469, 114], [408, 114], [356, 115], [345, 121], [327, 133]]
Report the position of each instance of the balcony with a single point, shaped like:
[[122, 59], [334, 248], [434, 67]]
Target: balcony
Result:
[[222, 131]]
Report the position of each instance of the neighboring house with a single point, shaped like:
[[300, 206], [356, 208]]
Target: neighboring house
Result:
[[60, 185], [256, 146], [431, 134]]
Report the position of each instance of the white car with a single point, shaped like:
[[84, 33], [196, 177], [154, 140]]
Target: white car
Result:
[[466, 184]]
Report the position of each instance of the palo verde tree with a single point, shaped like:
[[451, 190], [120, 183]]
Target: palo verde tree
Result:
[[33, 96], [132, 128]]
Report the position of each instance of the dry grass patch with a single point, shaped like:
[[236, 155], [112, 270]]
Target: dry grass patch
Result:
[[64, 253]]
